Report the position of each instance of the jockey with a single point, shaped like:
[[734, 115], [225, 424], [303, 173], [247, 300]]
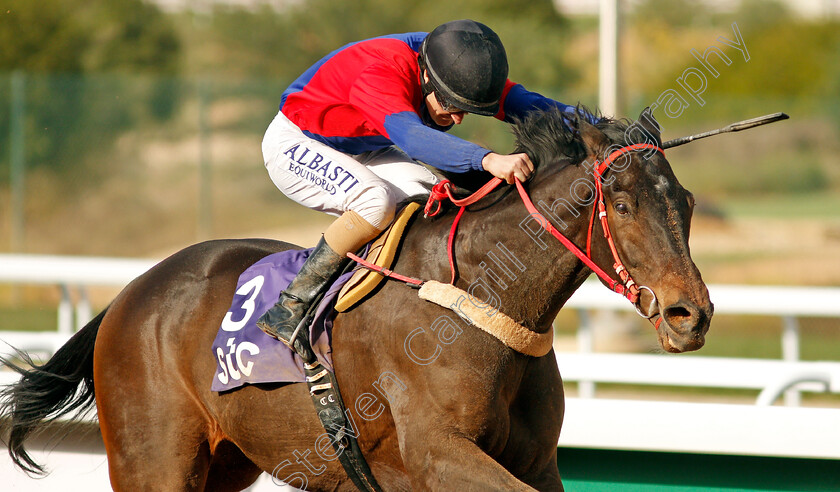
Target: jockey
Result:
[[352, 128]]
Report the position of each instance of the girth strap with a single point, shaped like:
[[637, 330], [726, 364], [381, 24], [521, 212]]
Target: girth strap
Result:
[[336, 420]]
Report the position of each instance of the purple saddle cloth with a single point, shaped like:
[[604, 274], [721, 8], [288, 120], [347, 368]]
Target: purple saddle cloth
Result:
[[246, 355]]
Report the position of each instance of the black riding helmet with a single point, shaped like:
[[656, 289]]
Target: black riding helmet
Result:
[[467, 66]]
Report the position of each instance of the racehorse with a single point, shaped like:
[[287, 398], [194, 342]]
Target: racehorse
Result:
[[437, 403]]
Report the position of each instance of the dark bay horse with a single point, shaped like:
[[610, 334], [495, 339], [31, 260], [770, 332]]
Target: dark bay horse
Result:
[[436, 406]]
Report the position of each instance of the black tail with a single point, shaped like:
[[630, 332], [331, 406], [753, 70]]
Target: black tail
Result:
[[48, 392]]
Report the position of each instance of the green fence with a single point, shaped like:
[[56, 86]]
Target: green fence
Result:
[[598, 470]]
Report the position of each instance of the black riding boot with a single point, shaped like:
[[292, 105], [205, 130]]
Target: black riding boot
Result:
[[283, 318]]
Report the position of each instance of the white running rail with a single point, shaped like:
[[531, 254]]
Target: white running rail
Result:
[[769, 376], [759, 429]]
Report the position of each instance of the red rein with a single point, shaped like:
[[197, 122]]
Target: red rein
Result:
[[626, 286]]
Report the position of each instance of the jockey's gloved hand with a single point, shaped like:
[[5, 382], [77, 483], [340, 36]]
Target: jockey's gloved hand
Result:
[[508, 167]]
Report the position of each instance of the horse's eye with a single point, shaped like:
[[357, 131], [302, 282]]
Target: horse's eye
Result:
[[622, 208]]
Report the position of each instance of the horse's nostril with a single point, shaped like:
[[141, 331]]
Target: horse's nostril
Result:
[[676, 315]]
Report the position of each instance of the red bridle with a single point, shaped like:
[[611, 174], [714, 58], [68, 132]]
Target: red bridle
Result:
[[626, 286]]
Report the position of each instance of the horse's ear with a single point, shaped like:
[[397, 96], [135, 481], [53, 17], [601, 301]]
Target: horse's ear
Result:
[[649, 124], [594, 139]]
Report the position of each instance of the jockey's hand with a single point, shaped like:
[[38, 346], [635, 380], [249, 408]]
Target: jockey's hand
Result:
[[508, 167]]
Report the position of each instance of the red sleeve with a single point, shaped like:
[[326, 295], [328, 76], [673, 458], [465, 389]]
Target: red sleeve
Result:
[[382, 90]]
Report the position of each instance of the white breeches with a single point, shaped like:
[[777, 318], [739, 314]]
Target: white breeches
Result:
[[322, 178]]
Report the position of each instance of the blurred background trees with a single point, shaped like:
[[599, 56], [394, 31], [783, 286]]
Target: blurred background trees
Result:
[[87, 36], [266, 43], [63, 51], [121, 99]]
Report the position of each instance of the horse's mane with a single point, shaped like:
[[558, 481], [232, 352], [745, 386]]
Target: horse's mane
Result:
[[550, 137]]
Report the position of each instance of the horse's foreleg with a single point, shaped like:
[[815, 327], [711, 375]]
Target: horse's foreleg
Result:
[[547, 479], [230, 469], [454, 463]]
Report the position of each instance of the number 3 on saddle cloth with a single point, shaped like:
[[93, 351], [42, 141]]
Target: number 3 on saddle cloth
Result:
[[246, 355]]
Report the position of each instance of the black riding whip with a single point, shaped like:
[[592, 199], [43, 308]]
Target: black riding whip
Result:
[[734, 127]]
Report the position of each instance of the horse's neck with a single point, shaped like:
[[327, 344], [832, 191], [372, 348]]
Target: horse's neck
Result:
[[503, 256]]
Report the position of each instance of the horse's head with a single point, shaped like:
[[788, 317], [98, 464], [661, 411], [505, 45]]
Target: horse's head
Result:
[[649, 217]]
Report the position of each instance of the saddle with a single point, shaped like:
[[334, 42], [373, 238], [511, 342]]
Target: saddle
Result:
[[382, 252]]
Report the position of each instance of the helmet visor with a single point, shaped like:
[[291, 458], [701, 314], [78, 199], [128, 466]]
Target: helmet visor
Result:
[[446, 104]]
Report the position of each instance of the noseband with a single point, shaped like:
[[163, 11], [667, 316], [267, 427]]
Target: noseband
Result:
[[626, 286]]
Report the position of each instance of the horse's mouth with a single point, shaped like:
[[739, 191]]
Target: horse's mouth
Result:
[[681, 326], [676, 343]]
